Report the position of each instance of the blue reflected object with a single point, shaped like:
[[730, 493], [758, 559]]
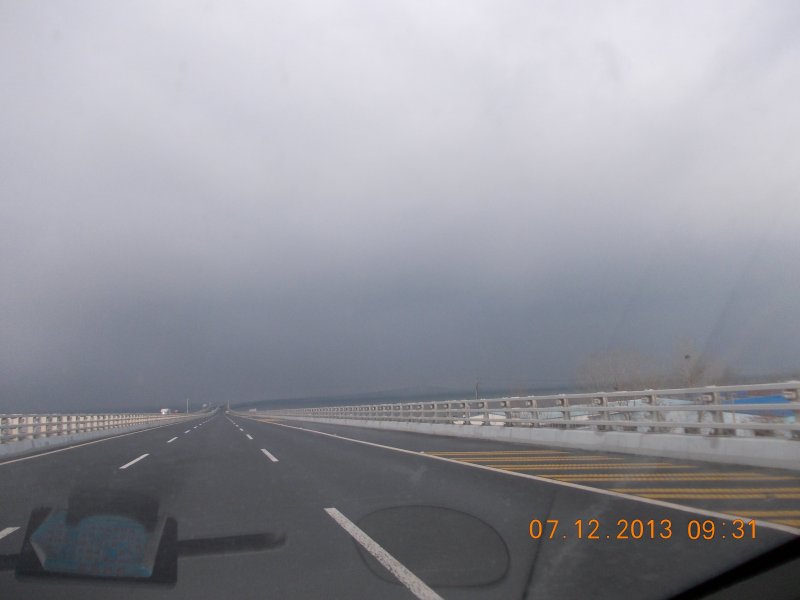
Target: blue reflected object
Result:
[[98, 546]]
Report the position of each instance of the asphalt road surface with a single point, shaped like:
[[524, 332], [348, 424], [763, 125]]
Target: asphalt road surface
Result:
[[362, 513]]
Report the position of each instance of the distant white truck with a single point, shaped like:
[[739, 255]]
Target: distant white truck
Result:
[[165, 411]]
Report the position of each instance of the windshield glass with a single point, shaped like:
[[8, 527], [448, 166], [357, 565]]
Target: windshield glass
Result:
[[414, 299]]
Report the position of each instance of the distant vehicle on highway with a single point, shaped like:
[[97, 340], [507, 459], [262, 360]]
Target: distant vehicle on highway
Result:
[[165, 411]]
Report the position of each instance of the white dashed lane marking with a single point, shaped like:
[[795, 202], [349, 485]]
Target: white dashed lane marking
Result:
[[414, 584], [134, 461], [268, 455]]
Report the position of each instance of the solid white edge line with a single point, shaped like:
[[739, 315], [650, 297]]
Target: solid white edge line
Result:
[[414, 584], [249, 437], [269, 456], [72, 447], [577, 486], [134, 461], [7, 531], [172, 440]]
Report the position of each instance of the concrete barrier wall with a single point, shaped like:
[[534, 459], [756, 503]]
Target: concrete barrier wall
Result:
[[56, 441], [756, 452]]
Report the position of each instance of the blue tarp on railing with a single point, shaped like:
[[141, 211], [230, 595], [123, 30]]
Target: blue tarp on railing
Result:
[[763, 400]]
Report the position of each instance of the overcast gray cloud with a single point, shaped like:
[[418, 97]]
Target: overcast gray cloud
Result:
[[249, 200]]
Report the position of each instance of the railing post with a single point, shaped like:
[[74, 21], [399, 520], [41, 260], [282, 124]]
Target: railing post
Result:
[[533, 420], [563, 402], [603, 414], [793, 396], [658, 415], [704, 399], [718, 417], [508, 414], [485, 406]]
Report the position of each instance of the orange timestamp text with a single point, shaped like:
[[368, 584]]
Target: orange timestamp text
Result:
[[641, 529]]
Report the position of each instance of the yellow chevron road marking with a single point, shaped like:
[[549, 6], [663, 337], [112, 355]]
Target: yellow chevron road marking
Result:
[[669, 477], [766, 513], [735, 490], [589, 467], [490, 453]]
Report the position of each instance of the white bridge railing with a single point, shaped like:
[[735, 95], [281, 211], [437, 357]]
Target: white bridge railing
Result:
[[746, 410], [17, 428]]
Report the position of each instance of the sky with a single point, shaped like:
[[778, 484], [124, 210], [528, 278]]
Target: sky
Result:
[[249, 200]]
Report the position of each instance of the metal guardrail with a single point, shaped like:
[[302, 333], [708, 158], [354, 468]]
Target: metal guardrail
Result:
[[16, 428], [747, 410]]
